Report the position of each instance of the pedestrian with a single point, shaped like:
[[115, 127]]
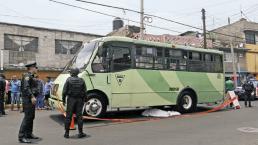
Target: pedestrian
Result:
[[249, 88], [2, 93], [29, 90], [40, 97], [74, 92], [47, 87], [229, 84], [15, 92]]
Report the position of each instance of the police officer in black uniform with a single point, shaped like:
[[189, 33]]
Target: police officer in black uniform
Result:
[[2, 92], [75, 91], [249, 88], [29, 89]]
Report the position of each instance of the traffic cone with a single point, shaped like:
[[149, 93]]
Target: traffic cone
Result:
[[72, 127], [238, 107]]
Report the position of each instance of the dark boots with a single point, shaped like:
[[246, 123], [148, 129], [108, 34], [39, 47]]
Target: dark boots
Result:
[[81, 135], [66, 135]]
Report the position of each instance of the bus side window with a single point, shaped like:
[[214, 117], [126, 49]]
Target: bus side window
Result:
[[175, 59], [121, 58], [100, 62], [144, 57], [218, 64], [195, 63]]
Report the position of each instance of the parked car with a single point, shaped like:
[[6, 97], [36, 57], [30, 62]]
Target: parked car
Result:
[[255, 83], [240, 93]]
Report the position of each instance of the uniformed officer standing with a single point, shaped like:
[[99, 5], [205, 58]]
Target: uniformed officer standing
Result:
[[29, 90], [75, 90], [249, 88], [2, 93]]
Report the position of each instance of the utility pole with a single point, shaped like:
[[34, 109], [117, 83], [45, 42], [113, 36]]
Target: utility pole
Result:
[[141, 21], [233, 63], [204, 29]]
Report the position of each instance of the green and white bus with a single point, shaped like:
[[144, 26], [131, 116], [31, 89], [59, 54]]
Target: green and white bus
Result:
[[122, 72]]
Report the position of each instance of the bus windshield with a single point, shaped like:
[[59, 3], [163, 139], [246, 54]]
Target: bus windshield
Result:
[[81, 59]]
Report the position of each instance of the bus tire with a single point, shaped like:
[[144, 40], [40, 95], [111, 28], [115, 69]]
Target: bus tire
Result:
[[95, 106], [186, 102]]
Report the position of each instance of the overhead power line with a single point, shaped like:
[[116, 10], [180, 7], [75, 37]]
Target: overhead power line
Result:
[[110, 15], [139, 13], [162, 18], [104, 5]]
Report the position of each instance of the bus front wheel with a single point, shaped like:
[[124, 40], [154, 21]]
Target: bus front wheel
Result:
[[187, 102], [96, 105]]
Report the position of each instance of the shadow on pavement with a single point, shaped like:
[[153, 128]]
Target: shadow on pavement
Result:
[[76, 137], [35, 141], [58, 118]]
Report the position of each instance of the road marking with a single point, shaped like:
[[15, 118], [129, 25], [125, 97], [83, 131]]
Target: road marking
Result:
[[248, 129]]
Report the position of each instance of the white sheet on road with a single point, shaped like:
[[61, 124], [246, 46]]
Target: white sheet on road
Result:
[[159, 113]]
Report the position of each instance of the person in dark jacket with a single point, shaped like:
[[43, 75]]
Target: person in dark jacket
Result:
[[2, 93], [74, 92], [29, 90], [249, 88]]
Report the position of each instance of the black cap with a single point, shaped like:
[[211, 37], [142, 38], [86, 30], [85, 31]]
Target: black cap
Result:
[[33, 64]]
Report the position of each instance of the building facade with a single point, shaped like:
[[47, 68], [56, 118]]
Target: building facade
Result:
[[50, 48], [243, 35]]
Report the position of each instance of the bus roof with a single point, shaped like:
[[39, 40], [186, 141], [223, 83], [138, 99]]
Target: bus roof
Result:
[[159, 44]]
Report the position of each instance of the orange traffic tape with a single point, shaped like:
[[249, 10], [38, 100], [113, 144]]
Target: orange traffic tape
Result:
[[221, 106]]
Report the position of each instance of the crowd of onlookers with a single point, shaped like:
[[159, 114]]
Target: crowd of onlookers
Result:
[[13, 93]]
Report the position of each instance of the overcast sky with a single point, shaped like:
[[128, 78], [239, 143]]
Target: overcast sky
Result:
[[44, 13]]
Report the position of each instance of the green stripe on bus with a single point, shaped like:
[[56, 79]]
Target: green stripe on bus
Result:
[[200, 82], [157, 83]]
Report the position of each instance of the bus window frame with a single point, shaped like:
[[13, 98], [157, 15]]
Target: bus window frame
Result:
[[123, 45], [165, 65], [107, 60]]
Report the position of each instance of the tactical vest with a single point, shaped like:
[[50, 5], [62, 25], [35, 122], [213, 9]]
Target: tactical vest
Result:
[[75, 87], [33, 85], [249, 86]]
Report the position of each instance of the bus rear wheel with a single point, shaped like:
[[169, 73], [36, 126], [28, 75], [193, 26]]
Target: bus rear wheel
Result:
[[187, 102], [95, 106]]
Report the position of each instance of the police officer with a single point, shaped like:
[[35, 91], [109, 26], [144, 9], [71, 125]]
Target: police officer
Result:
[[29, 90], [75, 91], [249, 88], [2, 92]]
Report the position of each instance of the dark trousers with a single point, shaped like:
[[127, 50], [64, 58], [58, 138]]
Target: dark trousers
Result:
[[248, 97], [2, 103], [26, 128], [74, 105], [8, 98]]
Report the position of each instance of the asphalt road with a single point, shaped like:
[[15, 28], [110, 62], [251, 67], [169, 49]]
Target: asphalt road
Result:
[[218, 128]]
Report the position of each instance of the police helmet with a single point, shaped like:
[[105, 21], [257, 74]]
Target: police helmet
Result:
[[74, 71]]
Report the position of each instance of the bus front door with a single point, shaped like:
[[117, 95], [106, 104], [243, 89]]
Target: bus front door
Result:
[[121, 76]]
